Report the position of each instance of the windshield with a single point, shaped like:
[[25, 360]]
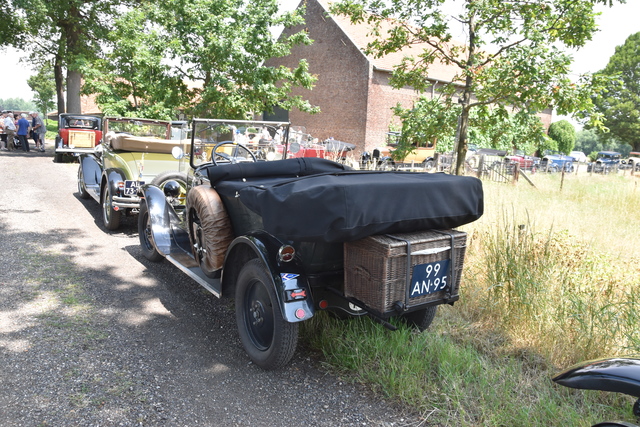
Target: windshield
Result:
[[139, 127], [236, 141]]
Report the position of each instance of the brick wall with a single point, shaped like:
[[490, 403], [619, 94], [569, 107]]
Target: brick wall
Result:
[[341, 90]]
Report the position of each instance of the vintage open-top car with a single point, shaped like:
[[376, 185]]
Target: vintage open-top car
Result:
[[292, 236], [132, 152]]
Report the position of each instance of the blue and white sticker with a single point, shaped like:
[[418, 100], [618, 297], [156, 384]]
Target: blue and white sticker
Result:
[[288, 276]]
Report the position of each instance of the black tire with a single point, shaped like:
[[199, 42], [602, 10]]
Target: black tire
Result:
[[269, 340], [429, 164], [161, 179], [82, 189], [147, 245], [58, 158], [420, 319], [110, 217]]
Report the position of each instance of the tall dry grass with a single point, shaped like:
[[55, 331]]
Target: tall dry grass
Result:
[[556, 271]]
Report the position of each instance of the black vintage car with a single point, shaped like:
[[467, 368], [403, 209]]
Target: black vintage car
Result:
[[292, 236]]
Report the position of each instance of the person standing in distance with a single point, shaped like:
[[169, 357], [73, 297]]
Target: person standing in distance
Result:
[[23, 131], [10, 130], [39, 129]]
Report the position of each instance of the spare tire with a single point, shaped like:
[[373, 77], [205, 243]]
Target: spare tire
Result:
[[210, 229]]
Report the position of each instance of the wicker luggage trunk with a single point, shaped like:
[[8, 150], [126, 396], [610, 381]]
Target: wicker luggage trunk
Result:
[[394, 273]]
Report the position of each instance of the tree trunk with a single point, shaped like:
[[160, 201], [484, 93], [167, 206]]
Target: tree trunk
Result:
[[463, 126], [462, 137], [59, 78], [74, 81]]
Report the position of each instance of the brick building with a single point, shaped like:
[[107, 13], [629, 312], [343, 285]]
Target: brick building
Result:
[[352, 89]]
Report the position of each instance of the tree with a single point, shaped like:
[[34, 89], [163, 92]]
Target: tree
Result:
[[16, 104], [564, 134], [204, 57], [495, 66], [432, 118], [620, 104], [43, 85], [67, 33]]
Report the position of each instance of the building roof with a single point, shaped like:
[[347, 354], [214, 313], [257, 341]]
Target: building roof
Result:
[[360, 35]]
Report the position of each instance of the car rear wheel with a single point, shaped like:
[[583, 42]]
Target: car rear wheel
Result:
[[59, 156], [110, 216], [82, 189], [428, 165], [147, 245], [269, 340], [421, 319]]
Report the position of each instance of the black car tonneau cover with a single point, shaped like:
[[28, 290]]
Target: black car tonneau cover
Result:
[[310, 199]]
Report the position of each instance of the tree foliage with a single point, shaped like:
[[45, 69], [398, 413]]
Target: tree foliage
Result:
[[66, 33], [16, 104], [564, 134], [620, 104], [202, 57], [43, 86], [435, 118], [495, 66]]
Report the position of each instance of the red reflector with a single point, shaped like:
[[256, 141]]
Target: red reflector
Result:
[[323, 304], [302, 293], [300, 313], [116, 208]]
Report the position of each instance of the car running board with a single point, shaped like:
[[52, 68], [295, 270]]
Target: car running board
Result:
[[191, 268]]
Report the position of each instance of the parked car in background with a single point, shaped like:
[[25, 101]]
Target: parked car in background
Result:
[[606, 162], [132, 152], [526, 163], [579, 156], [422, 156], [77, 133], [633, 161], [554, 161]]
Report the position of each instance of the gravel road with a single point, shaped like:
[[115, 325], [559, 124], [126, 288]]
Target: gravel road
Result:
[[91, 334]]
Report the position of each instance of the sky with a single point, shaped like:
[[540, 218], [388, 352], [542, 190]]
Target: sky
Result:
[[615, 25]]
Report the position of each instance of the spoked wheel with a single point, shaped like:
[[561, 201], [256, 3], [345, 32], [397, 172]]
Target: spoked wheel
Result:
[[180, 177], [199, 242], [421, 319], [269, 340], [145, 235], [429, 165], [82, 189], [110, 216]]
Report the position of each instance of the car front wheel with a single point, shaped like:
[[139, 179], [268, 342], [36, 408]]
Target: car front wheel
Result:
[[269, 340], [147, 245], [110, 216], [82, 189]]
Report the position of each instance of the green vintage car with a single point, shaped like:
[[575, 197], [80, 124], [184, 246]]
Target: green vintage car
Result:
[[133, 152]]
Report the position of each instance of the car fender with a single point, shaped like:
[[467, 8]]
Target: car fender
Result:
[[620, 375], [162, 216], [112, 177], [287, 278], [91, 170]]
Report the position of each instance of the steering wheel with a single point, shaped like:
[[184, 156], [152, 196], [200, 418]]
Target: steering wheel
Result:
[[234, 157]]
